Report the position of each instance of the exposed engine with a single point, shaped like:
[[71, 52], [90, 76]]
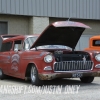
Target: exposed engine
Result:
[[71, 56], [71, 61]]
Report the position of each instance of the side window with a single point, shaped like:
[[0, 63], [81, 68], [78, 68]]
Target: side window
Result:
[[18, 45], [6, 46]]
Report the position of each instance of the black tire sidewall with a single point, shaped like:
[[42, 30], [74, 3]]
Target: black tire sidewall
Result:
[[87, 79], [1, 76]]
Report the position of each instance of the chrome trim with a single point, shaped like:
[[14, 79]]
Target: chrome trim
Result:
[[97, 65], [47, 68], [79, 62], [45, 58], [96, 57]]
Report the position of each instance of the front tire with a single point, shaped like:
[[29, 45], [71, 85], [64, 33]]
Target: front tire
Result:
[[34, 76], [1, 74], [88, 79]]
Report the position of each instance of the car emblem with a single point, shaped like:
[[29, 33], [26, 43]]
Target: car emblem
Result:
[[84, 60]]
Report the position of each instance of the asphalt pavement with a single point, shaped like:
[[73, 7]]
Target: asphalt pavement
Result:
[[64, 89]]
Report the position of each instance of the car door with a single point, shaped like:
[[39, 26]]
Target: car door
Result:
[[16, 55]]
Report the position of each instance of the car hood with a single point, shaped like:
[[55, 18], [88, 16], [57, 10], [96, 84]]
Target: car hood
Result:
[[61, 33]]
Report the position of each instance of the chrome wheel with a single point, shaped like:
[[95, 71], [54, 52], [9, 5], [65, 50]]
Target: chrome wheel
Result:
[[33, 74]]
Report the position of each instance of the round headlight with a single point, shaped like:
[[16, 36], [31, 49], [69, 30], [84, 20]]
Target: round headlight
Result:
[[48, 58], [97, 57]]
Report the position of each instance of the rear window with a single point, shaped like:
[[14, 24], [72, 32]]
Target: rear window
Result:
[[96, 42]]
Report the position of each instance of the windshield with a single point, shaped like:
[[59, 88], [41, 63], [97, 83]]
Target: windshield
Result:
[[96, 42], [30, 40]]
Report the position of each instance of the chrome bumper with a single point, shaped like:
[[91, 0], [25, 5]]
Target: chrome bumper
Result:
[[50, 76]]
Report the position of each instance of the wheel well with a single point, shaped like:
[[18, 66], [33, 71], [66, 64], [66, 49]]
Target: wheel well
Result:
[[27, 74]]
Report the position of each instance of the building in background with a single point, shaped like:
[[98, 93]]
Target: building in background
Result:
[[32, 16]]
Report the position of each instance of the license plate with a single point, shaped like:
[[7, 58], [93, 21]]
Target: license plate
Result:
[[77, 75]]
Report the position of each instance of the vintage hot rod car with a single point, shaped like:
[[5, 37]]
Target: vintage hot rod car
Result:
[[49, 55], [94, 43]]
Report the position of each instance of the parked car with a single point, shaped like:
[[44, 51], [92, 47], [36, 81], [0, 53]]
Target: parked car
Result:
[[94, 43], [49, 55]]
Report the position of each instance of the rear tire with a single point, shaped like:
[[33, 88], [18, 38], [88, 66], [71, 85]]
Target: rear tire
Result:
[[34, 76], [87, 79], [1, 74]]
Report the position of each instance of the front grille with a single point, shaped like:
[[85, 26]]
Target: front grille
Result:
[[73, 65]]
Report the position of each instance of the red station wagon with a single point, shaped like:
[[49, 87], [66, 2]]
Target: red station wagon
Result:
[[49, 55]]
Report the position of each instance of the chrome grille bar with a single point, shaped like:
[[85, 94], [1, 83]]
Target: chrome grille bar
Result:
[[73, 65]]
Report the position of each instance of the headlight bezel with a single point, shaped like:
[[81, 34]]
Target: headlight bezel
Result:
[[47, 58], [97, 57]]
